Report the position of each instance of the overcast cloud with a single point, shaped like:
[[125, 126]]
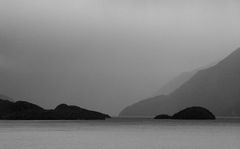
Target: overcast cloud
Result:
[[107, 54]]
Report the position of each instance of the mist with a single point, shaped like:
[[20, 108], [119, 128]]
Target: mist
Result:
[[107, 54]]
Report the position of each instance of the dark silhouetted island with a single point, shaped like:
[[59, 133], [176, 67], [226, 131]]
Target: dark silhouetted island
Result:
[[192, 113], [22, 110], [163, 116]]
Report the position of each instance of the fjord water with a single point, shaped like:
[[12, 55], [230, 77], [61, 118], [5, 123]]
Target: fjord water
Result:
[[120, 134]]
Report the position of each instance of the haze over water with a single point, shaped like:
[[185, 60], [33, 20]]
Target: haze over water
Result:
[[107, 54]]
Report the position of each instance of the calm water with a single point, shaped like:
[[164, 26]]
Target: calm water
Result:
[[120, 134]]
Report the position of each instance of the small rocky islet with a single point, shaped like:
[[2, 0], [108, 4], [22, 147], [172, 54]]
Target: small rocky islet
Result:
[[192, 113]]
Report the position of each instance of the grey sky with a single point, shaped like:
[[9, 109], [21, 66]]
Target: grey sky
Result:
[[107, 54]]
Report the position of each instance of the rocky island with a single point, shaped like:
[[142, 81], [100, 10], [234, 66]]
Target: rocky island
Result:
[[192, 113], [22, 110]]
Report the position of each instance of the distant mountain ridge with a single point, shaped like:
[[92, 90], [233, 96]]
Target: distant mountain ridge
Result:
[[178, 81], [216, 88], [174, 84]]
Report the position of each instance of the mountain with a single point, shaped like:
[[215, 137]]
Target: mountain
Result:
[[22, 110], [217, 88], [178, 81]]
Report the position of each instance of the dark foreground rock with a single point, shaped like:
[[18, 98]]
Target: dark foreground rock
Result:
[[66, 112], [22, 110], [163, 116], [192, 113]]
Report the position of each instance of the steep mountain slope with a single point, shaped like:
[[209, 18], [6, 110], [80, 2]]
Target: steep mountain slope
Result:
[[216, 88], [176, 83]]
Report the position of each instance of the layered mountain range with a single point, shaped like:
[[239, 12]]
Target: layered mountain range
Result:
[[217, 88]]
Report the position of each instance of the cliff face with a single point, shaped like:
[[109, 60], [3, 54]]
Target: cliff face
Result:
[[216, 88]]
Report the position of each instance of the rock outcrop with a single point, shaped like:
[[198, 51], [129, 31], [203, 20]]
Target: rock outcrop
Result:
[[192, 113], [163, 116], [22, 110]]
